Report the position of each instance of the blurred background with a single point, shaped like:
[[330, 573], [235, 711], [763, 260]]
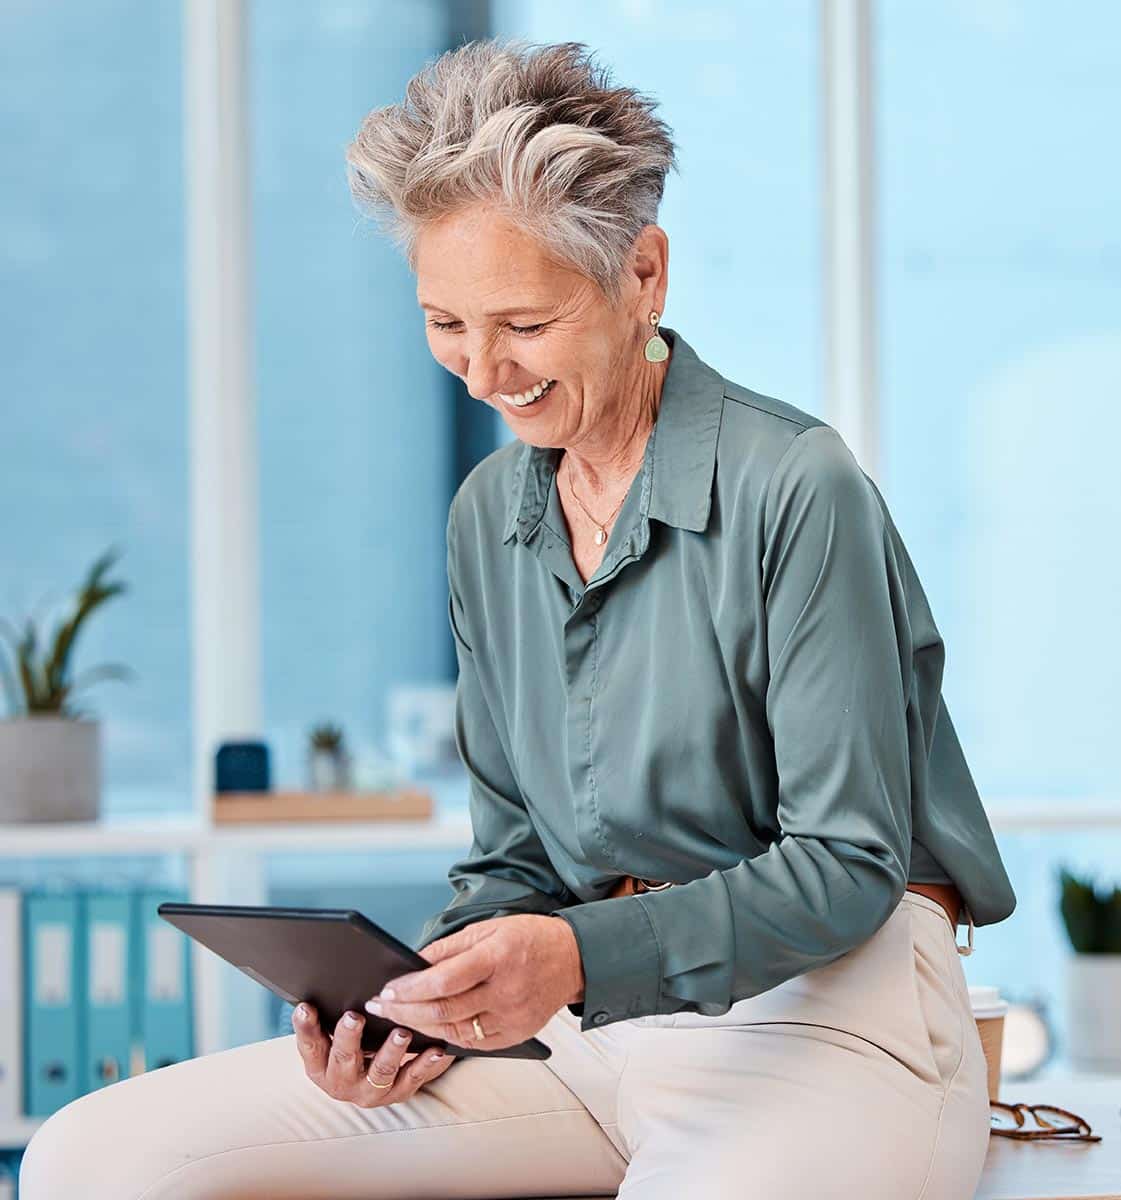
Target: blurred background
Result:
[[905, 219]]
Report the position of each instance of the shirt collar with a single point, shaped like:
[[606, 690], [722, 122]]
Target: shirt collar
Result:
[[684, 451]]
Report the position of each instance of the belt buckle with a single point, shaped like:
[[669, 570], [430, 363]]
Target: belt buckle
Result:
[[966, 950]]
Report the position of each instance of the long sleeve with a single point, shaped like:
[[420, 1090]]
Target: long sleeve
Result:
[[507, 869], [841, 706]]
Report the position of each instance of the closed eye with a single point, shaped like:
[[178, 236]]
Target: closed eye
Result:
[[521, 330]]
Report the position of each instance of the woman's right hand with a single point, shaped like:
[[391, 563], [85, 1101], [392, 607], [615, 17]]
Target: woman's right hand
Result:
[[341, 1068]]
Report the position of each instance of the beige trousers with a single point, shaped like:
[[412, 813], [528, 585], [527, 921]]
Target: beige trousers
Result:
[[861, 1080]]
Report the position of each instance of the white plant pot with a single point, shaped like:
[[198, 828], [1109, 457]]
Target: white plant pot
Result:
[[1094, 1012], [50, 769], [327, 772]]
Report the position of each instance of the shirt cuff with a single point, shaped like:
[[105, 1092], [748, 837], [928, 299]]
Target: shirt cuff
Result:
[[621, 959]]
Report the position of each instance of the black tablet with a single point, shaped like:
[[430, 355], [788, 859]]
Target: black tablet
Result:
[[334, 958]]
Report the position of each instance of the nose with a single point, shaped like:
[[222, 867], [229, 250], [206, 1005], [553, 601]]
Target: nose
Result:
[[484, 371]]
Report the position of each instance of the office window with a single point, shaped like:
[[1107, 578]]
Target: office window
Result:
[[1001, 349], [355, 418], [92, 362], [737, 83]]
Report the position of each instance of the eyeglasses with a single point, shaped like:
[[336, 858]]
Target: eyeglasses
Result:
[[1007, 1120]]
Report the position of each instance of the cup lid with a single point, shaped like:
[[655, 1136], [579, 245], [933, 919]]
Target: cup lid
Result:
[[986, 1001]]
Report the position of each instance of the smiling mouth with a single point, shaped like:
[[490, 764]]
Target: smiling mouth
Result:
[[525, 399]]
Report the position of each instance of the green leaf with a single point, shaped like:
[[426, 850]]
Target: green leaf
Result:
[[32, 686], [45, 677], [93, 593], [1111, 923], [1080, 912], [96, 674]]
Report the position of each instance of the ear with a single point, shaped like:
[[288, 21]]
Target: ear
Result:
[[650, 266]]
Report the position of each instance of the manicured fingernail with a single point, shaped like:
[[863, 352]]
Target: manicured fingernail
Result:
[[435, 1058], [387, 993], [374, 1007], [352, 1019], [399, 1035]]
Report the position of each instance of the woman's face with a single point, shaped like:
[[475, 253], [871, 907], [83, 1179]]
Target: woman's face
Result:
[[503, 315]]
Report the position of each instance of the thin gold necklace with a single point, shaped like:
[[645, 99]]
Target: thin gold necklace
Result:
[[601, 527]]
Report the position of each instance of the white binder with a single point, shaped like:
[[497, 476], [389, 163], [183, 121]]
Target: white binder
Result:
[[11, 1006]]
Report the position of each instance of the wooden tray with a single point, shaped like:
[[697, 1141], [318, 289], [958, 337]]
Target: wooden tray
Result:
[[401, 804]]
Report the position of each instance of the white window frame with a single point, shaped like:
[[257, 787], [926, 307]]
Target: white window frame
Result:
[[225, 566]]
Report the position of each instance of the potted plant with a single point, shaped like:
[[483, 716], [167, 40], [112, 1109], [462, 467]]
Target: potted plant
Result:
[[1093, 924], [50, 750], [328, 759]]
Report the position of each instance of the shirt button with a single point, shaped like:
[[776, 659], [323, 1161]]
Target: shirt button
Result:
[[599, 1017]]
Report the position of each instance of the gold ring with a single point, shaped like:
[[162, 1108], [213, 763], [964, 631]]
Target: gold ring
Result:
[[383, 1086], [478, 1028]]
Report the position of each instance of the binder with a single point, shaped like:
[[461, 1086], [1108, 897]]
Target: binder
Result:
[[109, 998], [164, 978], [11, 1005], [53, 997]]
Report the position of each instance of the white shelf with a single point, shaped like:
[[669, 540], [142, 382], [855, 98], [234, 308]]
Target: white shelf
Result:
[[1037, 813], [179, 835], [14, 1135], [152, 835], [188, 833], [183, 833], [448, 830]]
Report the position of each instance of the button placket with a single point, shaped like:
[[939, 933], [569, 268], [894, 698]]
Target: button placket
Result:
[[581, 654]]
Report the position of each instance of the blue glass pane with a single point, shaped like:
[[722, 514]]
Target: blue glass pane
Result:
[[737, 84], [1000, 211], [355, 417], [92, 362]]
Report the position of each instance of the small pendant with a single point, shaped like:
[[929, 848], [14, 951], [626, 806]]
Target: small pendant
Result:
[[656, 349], [601, 536]]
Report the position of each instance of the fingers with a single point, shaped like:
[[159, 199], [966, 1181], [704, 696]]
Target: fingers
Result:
[[448, 1017], [426, 1067], [411, 1077], [383, 1068], [452, 976], [389, 1078], [311, 1042], [339, 1066], [344, 1063]]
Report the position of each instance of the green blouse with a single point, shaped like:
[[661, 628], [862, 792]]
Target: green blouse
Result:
[[745, 699]]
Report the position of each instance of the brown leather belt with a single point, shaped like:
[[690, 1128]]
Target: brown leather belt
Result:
[[946, 894]]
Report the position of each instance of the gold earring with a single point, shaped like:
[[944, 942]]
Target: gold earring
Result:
[[656, 349]]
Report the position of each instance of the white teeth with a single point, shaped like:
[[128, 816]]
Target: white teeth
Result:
[[521, 399]]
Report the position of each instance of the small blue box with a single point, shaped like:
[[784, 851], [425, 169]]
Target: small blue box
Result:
[[241, 767]]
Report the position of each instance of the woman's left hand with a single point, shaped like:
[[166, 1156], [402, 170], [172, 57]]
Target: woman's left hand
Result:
[[512, 973]]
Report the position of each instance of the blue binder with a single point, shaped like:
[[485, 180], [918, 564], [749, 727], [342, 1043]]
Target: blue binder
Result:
[[53, 1000], [109, 996], [164, 981]]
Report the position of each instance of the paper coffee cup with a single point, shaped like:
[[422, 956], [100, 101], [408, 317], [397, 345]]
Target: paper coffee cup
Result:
[[989, 1011]]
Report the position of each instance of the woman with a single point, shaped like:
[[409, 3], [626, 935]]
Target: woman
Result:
[[700, 706]]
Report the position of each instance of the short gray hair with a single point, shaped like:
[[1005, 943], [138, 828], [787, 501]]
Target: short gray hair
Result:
[[536, 131]]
